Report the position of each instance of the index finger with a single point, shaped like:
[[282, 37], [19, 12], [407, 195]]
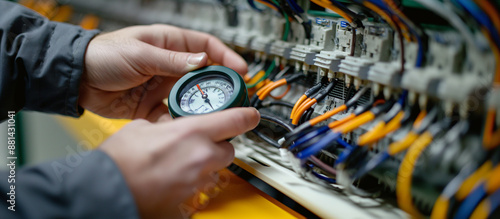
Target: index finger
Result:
[[216, 50], [219, 126]]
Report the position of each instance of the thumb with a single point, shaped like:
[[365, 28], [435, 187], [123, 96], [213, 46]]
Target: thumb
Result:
[[172, 62], [222, 125]]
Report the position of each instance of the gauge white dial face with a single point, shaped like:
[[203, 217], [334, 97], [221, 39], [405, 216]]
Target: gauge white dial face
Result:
[[206, 96]]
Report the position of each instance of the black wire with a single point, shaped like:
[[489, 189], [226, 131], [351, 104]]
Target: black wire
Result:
[[278, 103], [276, 121], [267, 139], [306, 116]]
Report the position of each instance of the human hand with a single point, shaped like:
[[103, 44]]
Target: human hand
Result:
[[176, 157], [130, 71]]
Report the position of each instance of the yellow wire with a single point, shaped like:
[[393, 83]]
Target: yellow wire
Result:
[[482, 210], [405, 174], [381, 130], [369, 136], [493, 183], [470, 183], [403, 144], [355, 122], [440, 208]]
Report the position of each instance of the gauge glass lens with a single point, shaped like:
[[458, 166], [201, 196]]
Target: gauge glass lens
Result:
[[206, 96]]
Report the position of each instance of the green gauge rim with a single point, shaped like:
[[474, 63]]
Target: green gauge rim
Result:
[[238, 99]]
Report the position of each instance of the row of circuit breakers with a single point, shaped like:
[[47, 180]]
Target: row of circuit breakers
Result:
[[398, 99]]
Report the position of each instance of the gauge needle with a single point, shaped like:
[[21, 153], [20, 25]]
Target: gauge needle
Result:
[[204, 96]]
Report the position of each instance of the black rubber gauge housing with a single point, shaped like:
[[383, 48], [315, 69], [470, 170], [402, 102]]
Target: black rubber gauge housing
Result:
[[206, 90]]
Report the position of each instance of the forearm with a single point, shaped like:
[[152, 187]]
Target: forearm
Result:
[[41, 62], [83, 186]]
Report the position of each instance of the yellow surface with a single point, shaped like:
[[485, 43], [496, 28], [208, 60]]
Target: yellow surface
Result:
[[91, 127], [240, 199], [233, 197]]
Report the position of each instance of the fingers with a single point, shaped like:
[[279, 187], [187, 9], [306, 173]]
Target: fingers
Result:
[[223, 125], [226, 156], [182, 40], [173, 62], [216, 50]]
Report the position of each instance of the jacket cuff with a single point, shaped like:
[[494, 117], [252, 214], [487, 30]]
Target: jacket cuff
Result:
[[78, 44], [87, 184]]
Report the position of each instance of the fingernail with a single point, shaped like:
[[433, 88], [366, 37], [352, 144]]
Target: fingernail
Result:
[[194, 60]]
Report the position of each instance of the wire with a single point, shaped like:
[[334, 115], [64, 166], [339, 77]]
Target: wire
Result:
[[486, 208], [317, 162], [447, 13], [318, 97], [481, 18], [283, 94], [295, 7], [405, 174], [263, 77], [276, 121], [269, 5], [335, 9], [252, 4], [396, 113], [442, 203], [309, 92], [316, 147], [277, 103], [407, 166], [323, 14]]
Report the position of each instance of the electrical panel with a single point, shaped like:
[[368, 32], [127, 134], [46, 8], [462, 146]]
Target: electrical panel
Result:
[[371, 108]]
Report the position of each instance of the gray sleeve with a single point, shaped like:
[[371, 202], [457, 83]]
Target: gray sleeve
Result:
[[84, 185], [41, 62]]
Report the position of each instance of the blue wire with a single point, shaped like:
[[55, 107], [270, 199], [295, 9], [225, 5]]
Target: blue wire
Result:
[[344, 155], [343, 143], [295, 7], [403, 97], [329, 180], [481, 18], [494, 201], [273, 4], [470, 203], [309, 136], [316, 147], [420, 52], [252, 4]]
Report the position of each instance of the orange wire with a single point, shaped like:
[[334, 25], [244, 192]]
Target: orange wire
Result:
[[491, 12], [283, 94], [297, 105], [393, 6], [386, 17], [342, 121], [268, 5], [302, 109], [269, 88], [333, 8], [327, 115], [355, 122]]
